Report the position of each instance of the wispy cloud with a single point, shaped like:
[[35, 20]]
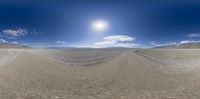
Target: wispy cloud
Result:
[[15, 32], [119, 38], [193, 35], [116, 41], [156, 44], [60, 42]]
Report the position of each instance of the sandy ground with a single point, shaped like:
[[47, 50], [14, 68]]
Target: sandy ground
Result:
[[99, 74]]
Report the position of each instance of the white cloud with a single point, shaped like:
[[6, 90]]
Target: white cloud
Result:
[[194, 35], [3, 41], [163, 44], [173, 43], [60, 42], [14, 42], [116, 41], [189, 41], [119, 38], [15, 32]]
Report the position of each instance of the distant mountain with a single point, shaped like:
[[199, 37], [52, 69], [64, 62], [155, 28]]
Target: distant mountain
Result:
[[182, 45], [6, 44]]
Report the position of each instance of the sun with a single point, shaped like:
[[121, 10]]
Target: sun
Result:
[[99, 25]]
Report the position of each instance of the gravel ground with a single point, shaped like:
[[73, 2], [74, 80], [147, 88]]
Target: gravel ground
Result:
[[118, 74]]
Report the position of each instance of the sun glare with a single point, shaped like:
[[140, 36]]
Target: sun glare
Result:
[[99, 25]]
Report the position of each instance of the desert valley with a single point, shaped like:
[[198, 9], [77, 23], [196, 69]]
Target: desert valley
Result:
[[112, 73]]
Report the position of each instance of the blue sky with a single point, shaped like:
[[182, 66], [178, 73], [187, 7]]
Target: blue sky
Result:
[[130, 23]]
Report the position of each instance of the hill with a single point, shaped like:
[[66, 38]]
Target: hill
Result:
[[5, 44]]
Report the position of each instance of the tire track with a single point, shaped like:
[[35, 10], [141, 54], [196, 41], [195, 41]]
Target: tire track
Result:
[[182, 66]]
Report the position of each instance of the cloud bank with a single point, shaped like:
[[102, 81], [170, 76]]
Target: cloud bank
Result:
[[153, 43], [156, 44], [116, 41]]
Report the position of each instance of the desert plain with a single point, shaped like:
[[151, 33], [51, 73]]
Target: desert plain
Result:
[[112, 73]]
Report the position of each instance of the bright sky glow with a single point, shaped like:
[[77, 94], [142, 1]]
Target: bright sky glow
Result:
[[99, 25]]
